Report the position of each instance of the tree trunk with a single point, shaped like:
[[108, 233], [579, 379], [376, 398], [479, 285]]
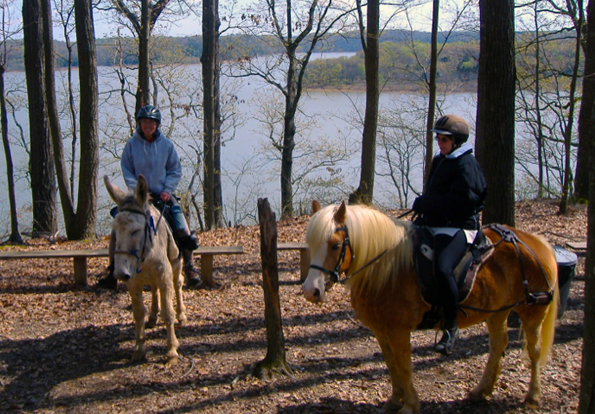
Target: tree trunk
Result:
[[586, 119], [288, 142], [15, 235], [365, 192], [496, 108], [86, 211], [142, 93], [275, 362], [211, 134], [586, 125], [432, 89], [54, 117], [41, 163]]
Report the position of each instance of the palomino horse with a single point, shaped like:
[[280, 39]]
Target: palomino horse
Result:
[[375, 252], [146, 254]]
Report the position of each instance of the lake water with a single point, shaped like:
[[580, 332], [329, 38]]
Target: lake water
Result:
[[329, 127]]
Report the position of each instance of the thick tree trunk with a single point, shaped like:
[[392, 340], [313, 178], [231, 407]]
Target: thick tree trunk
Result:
[[275, 362], [41, 163], [586, 125], [496, 108], [86, 211], [365, 192]]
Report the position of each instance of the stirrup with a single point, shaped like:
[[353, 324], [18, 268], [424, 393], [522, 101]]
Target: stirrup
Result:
[[447, 342]]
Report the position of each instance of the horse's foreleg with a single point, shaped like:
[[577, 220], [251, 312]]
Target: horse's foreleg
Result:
[[498, 341], [395, 401], [178, 284], [154, 307], [399, 341], [138, 312], [168, 317]]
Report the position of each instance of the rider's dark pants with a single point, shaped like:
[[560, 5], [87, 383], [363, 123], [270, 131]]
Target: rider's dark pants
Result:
[[448, 251]]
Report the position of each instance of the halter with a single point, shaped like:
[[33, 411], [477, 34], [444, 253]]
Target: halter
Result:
[[334, 274], [149, 225]]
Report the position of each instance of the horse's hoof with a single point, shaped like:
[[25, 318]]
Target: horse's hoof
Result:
[[476, 396], [392, 407], [138, 355], [171, 362], [151, 323], [531, 402], [182, 319]]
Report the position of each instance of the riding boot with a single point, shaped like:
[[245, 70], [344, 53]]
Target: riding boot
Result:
[[447, 342], [192, 275], [109, 281]]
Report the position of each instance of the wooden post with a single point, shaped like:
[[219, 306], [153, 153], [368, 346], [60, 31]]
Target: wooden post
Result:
[[80, 271], [274, 362]]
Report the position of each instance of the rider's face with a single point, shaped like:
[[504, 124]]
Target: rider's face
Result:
[[148, 126]]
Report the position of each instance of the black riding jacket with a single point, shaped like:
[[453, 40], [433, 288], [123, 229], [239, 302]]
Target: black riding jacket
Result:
[[455, 191]]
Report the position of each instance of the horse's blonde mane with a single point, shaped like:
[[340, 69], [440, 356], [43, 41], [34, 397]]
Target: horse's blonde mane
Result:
[[371, 233]]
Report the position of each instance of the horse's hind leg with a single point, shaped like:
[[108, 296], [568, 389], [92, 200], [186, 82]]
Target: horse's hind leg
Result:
[[178, 284], [498, 330], [154, 307], [532, 325]]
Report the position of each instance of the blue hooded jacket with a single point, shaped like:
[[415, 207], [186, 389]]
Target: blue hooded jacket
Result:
[[158, 161]]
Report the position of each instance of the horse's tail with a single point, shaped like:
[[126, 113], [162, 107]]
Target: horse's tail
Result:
[[548, 326]]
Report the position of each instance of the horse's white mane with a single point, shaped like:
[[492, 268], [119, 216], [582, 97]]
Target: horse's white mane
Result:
[[371, 232]]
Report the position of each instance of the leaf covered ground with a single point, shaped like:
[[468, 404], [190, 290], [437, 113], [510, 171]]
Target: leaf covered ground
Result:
[[67, 350]]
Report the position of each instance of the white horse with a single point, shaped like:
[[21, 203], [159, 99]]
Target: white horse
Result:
[[146, 254]]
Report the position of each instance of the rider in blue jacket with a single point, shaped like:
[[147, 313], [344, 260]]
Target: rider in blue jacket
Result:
[[152, 154], [454, 194]]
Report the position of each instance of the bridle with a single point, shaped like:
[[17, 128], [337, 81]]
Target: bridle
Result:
[[150, 231], [334, 274]]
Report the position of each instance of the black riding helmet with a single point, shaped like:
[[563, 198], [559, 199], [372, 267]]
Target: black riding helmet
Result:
[[149, 112], [454, 126]]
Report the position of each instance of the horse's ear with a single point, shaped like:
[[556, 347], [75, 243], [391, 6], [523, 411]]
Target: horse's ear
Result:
[[340, 213], [114, 192], [315, 206], [142, 190]]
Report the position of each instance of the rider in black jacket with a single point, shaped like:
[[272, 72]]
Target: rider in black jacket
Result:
[[453, 196]]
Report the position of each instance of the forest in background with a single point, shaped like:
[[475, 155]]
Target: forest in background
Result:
[[400, 52]]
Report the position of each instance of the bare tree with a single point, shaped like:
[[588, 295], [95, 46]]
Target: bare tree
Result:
[[6, 33], [296, 26]]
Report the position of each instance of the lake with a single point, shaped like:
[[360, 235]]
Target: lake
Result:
[[327, 156]]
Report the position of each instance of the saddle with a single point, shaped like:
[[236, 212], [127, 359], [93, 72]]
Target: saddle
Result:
[[465, 272]]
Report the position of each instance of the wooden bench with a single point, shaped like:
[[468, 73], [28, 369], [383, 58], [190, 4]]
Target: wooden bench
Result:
[[304, 256], [577, 245], [80, 259]]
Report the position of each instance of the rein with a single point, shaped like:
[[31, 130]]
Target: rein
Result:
[[149, 225], [537, 298]]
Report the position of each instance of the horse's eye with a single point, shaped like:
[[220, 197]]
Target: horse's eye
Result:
[[336, 246], [134, 233]]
